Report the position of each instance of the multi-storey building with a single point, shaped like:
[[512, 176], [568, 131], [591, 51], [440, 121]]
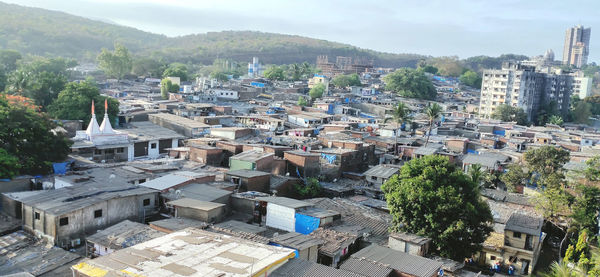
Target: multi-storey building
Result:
[[522, 86], [577, 46]]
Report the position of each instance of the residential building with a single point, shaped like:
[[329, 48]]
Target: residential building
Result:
[[521, 86], [403, 264], [255, 69], [577, 46], [252, 160], [197, 209], [121, 235]]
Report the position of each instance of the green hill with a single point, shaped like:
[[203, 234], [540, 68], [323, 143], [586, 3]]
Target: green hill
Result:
[[50, 33]]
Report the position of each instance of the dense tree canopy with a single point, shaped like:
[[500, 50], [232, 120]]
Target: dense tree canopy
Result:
[[514, 177], [166, 86], [74, 103], [275, 73], [317, 91], [26, 136], [471, 78], [149, 67], [510, 114], [177, 70], [344, 81], [219, 76], [432, 197], [547, 159], [9, 58], [410, 83], [117, 63]]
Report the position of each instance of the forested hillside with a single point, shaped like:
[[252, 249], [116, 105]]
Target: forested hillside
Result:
[[50, 33]]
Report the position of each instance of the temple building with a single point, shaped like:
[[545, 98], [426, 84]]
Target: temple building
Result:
[[140, 140]]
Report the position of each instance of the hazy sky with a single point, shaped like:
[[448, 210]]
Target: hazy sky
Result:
[[431, 27]]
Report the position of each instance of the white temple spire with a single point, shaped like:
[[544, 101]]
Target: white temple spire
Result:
[[105, 127], [93, 128]]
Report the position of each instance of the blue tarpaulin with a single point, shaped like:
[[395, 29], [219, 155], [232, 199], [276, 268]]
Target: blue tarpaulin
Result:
[[500, 132], [306, 224], [61, 168], [329, 157]]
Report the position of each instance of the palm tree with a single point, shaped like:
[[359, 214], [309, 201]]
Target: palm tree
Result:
[[433, 112], [561, 270], [306, 69], [476, 174], [296, 71], [400, 115]]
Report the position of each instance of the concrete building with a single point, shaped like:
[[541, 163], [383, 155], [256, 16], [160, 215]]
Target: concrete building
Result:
[[519, 246], [255, 69], [197, 209], [190, 252], [577, 46], [302, 164], [252, 160], [65, 216], [409, 243], [184, 126], [249, 180], [379, 174], [522, 86]]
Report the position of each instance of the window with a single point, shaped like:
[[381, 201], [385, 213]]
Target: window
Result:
[[98, 213], [153, 145], [37, 216], [98, 152], [120, 150], [63, 221], [493, 258], [147, 202], [516, 235], [374, 178]]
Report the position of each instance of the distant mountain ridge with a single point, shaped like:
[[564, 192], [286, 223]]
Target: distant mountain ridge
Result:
[[51, 33]]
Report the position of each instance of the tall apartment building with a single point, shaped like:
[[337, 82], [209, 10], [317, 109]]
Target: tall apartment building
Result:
[[577, 46], [520, 85]]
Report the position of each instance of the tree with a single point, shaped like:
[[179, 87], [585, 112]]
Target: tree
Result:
[[219, 76], [9, 165], [546, 160], [74, 102], [344, 81], [302, 101], [586, 207], [556, 120], [176, 70], [317, 91], [476, 173], [432, 197], [167, 86], [560, 270], [40, 80], [117, 63], [410, 83], [312, 188], [448, 66], [433, 111], [582, 112], [295, 72], [148, 67], [307, 70], [400, 115], [275, 73], [27, 135], [9, 58], [471, 78], [429, 69], [508, 113], [514, 177], [592, 172]]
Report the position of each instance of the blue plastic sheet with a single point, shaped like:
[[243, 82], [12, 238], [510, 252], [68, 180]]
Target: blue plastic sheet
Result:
[[329, 157], [306, 224], [61, 168]]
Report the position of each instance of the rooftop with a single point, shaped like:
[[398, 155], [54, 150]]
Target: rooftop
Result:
[[124, 234], [412, 238], [239, 226], [195, 204], [400, 261], [296, 241], [333, 241], [366, 268], [67, 199], [197, 191], [304, 268], [251, 156], [284, 201], [524, 223], [190, 252], [182, 121], [173, 179], [382, 171], [246, 173], [146, 131], [174, 224]]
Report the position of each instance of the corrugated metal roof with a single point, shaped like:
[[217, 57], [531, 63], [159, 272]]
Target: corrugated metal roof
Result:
[[367, 268], [382, 171], [304, 268], [284, 201], [195, 204], [525, 223], [173, 179], [400, 261]]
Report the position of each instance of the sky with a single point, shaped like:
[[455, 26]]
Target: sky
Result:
[[461, 28]]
